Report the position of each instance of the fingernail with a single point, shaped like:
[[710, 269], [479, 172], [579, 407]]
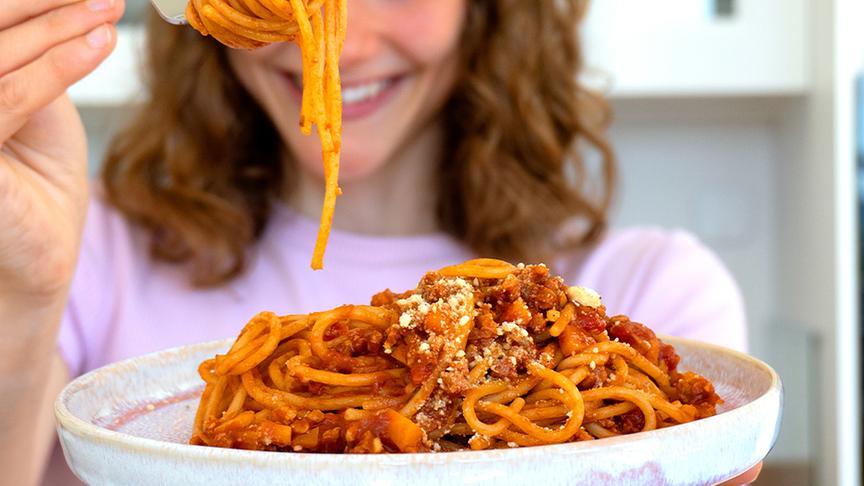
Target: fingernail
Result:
[[100, 5], [99, 37]]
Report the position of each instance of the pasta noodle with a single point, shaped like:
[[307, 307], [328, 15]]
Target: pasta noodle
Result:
[[480, 355], [318, 27]]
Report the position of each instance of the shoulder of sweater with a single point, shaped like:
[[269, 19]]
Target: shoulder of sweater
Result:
[[626, 250], [106, 229]]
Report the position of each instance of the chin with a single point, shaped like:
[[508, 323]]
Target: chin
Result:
[[356, 167], [352, 167]]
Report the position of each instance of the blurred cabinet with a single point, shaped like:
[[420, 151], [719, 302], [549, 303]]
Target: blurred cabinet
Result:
[[638, 48], [635, 48]]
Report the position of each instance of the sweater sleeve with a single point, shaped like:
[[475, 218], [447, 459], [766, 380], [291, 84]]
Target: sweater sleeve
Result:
[[669, 281]]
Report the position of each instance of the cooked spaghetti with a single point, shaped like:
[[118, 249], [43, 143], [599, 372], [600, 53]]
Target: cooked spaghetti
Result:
[[480, 355], [318, 27]]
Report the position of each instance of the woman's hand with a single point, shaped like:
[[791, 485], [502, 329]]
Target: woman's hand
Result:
[[45, 46]]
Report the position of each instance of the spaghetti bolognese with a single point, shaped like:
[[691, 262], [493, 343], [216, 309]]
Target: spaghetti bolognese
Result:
[[480, 355]]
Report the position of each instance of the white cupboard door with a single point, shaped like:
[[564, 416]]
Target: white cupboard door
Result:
[[697, 47]]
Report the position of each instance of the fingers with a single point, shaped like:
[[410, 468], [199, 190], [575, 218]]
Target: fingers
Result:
[[16, 11], [46, 45], [35, 36], [25, 91]]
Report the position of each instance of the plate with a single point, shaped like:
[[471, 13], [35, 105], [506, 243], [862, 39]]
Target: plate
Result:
[[128, 423]]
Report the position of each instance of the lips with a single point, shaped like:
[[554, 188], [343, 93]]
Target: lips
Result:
[[360, 99]]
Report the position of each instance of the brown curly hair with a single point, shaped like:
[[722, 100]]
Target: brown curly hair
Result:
[[201, 164]]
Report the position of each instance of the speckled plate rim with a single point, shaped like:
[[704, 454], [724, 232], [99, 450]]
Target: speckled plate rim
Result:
[[78, 426]]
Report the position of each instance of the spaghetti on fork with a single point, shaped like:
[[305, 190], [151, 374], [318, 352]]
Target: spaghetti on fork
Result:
[[318, 27]]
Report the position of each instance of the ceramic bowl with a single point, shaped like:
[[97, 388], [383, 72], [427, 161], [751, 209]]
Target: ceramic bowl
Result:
[[128, 423]]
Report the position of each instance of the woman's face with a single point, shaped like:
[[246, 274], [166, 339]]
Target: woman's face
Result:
[[398, 67]]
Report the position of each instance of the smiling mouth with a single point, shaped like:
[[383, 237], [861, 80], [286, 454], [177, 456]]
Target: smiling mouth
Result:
[[359, 99]]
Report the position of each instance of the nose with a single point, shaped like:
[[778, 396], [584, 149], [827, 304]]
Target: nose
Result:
[[363, 33]]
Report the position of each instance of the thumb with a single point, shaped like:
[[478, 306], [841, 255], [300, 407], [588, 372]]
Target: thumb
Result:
[[55, 141]]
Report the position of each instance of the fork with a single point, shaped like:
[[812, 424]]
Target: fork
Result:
[[173, 11]]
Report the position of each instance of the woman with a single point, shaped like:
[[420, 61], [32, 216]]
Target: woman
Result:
[[461, 124]]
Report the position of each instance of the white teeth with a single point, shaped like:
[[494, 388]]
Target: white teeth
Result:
[[364, 92], [357, 93]]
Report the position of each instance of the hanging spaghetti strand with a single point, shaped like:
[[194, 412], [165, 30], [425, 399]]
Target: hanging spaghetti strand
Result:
[[318, 27]]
